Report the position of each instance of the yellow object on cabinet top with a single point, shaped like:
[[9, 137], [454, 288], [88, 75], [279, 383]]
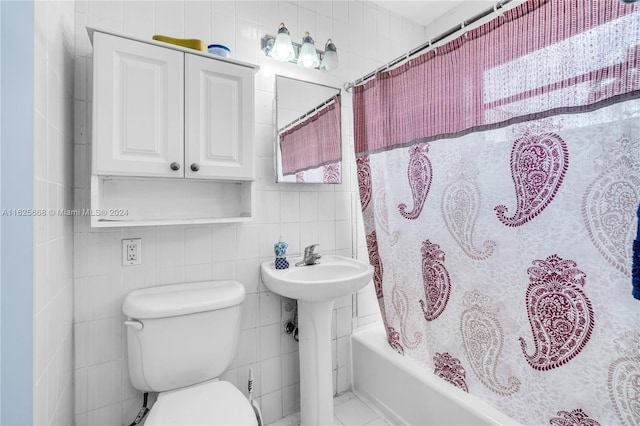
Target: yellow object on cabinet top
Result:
[[190, 43]]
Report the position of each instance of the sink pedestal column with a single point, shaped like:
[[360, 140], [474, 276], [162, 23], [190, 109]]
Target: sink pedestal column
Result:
[[316, 384]]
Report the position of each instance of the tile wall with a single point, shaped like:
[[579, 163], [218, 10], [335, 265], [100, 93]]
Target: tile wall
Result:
[[302, 214], [53, 233]]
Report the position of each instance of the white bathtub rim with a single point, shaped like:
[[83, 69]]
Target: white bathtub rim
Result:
[[374, 337]]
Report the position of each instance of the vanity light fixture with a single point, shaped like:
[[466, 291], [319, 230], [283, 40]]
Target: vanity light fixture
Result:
[[330, 58], [282, 49], [305, 55], [308, 57]]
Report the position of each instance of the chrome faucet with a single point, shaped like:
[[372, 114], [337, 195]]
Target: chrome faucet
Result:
[[310, 258]]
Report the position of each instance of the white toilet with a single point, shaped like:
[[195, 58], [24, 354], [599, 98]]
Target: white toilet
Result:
[[180, 338]]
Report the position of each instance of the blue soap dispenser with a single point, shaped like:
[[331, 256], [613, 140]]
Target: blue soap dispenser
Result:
[[280, 248]]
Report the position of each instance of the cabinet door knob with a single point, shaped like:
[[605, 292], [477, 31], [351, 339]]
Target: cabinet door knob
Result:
[[195, 167], [175, 166]]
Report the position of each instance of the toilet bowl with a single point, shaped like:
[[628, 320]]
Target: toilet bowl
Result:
[[180, 339], [210, 403]]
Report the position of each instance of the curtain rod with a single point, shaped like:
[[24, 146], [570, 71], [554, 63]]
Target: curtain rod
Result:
[[308, 113], [499, 5]]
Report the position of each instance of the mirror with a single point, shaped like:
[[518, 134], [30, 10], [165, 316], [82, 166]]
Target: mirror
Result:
[[308, 144]]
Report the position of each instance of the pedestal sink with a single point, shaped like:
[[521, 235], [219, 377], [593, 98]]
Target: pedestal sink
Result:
[[316, 287]]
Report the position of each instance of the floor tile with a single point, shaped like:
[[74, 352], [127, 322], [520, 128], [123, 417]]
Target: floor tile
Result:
[[354, 412], [348, 410]]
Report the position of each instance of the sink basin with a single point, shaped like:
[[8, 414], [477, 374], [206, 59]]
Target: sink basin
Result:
[[332, 278], [316, 287]]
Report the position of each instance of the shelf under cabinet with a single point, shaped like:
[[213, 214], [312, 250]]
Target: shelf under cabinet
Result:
[[134, 201]]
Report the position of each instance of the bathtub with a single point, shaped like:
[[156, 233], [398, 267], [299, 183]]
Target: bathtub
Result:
[[406, 393]]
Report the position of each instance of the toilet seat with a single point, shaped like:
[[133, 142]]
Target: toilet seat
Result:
[[209, 403]]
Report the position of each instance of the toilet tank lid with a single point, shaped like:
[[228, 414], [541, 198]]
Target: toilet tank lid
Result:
[[182, 299]]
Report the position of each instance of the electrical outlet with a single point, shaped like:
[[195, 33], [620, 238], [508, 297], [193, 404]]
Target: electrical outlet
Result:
[[132, 251]]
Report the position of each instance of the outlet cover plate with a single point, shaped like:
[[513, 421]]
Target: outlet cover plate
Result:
[[131, 251]]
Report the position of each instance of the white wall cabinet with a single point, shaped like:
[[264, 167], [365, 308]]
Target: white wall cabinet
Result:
[[219, 102], [173, 125]]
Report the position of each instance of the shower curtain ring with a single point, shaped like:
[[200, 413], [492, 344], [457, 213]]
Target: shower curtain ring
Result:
[[495, 10]]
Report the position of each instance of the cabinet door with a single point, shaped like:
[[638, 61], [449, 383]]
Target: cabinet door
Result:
[[138, 108], [219, 119]]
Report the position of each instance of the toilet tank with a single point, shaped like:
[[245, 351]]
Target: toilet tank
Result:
[[181, 334]]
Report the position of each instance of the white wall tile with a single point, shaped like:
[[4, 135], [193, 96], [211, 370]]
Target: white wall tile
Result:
[[200, 272], [109, 415], [343, 380], [370, 15], [327, 236], [272, 406], [264, 141], [289, 16], [170, 274], [103, 340], [138, 18], [223, 29], [196, 14], [247, 46], [270, 341], [268, 15], [248, 273], [247, 352], [290, 205], [290, 400], [104, 384], [323, 31], [290, 368], [306, 23], [225, 270], [271, 375], [198, 248], [247, 10], [343, 351], [81, 386], [264, 104], [103, 296], [80, 344], [248, 241], [40, 416], [309, 206], [169, 18], [356, 14], [105, 15], [224, 6], [270, 207], [250, 311], [224, 242], [343, 234], [343, 322], [103, 252], [327, 206], [269, 308], [170, 249]]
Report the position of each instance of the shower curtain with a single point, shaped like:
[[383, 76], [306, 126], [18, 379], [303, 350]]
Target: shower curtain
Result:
[[499, 179]]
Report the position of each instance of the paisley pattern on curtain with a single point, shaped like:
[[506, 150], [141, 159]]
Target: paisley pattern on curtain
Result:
[[499, 179], [538, 165]]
